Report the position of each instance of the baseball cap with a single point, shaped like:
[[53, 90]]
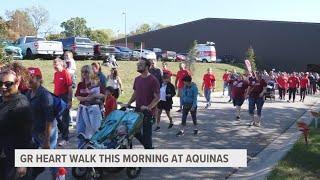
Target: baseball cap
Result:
[[35, 71], [187, 79]]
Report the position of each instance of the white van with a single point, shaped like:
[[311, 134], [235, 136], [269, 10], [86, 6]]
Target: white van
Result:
[[206, 52]]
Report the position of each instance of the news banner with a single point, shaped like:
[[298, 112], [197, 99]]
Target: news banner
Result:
[[129, 158]]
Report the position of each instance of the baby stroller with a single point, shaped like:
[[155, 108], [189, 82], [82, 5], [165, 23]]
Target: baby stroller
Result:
[[108, 138], [271, 92]]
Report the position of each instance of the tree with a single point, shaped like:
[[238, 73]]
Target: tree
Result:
[[143, 28], [20, 22], [75, 27], [3, 58], [39, 16], [158, 26], [51, 37], [251, 57], [101, 36], [191, 59]]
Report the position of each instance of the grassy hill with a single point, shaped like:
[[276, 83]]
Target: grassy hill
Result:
[[127, 72]]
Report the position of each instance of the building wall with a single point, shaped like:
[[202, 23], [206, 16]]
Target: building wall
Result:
[[286, 46]]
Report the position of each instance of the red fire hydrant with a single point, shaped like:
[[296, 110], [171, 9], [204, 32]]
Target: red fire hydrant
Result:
[[304, 129]]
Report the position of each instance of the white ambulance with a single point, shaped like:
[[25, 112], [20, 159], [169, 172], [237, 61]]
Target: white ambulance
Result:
[[206, 52]]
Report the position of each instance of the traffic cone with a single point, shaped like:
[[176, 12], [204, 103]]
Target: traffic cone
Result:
[[61, 174]]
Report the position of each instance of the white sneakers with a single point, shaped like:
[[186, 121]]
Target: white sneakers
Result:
[[63, 143]]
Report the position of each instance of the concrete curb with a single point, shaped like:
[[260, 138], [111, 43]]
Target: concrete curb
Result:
[[262, 164]]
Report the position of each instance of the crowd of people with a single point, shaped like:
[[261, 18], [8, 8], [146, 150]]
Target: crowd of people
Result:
[[27, 111]]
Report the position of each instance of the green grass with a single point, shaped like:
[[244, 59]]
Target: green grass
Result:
[[302, 161], [127, 72]]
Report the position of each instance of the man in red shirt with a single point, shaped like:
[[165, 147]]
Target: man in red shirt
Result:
[[282, 82], [63, 89], [179, 84], [293, 83], [208, 85], [225, 78], [304, 84], [166, 70]]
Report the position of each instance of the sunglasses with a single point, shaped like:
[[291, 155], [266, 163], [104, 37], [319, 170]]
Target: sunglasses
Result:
[[86, 72], [7, 84]]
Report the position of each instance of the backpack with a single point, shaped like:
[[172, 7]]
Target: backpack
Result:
[[59, 106]]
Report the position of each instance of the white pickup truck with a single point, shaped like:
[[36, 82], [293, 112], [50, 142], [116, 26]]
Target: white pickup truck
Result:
[[35, 46]]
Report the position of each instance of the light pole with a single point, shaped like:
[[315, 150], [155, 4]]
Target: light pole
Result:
[[125, 28]]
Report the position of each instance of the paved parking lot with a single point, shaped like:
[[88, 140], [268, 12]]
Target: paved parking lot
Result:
[[217, 130]]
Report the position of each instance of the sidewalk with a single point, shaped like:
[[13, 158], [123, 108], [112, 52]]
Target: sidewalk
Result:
[[219, 130]]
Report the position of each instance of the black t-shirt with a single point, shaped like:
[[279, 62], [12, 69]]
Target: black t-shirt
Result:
[[15, 123]]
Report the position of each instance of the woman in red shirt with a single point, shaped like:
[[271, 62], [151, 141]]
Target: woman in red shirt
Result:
[[238, 93], [304, 84], [87, 123]]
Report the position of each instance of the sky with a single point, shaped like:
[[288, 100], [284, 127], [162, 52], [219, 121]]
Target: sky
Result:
[[106, 14]]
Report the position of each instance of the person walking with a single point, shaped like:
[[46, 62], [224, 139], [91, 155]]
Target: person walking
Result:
[[179, 84], [282, 82], [15, 124], [225, 78], [238, 94], [232, 77], [88, 116], [71, 67], [208, 85], [189, 103], [45, 130], [115, 82], [255, 94], [304, 84], [63, 89], [146, 93], [167, 91], [166, 70], [293, 83], [154, 70]]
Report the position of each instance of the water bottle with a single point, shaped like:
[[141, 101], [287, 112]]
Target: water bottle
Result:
[[61, 174]]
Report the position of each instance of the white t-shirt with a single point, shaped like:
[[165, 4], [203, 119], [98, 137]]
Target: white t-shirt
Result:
[[114, 83], [71, 66], [163, 92]]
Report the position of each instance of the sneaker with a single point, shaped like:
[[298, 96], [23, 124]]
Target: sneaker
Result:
[[229, 100], [195, 132], [288, 101], [157, 129], [238, 118], [170, 125], [180, 133], [180, 110], [257, 124], [252, 123], [206, 106], [300, 100], [63, 143]]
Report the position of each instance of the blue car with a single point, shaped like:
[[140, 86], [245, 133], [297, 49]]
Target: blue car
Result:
[[11, 50]]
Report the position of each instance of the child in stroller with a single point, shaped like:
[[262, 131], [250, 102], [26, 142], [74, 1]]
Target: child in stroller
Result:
[[270, 91]]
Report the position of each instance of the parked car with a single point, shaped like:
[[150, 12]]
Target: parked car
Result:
[[32, 47], [181, 57], [79, 46], [227, 59], [206, 52], [164, 55], [11, 50], [144, 53], [102, 51]]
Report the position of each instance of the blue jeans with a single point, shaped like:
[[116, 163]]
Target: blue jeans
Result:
[[229, 90], [63, 123], [38, 141], [253, 102], [207, 94], [225, 84], [92, 116], [145, 137]]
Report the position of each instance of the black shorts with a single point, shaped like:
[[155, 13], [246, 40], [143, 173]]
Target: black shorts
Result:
[[238, 101], [116, 93], [164, 105]]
